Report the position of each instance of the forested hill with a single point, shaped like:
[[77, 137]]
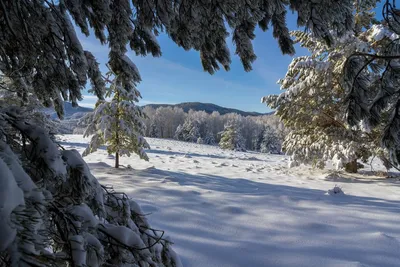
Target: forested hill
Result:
[[72, 113], [207, 107]]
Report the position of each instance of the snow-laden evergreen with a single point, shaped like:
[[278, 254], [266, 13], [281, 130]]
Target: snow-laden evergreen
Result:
[[188, 131], [375, 101], [29, 106], [209, 139], [313, 104], [270, 142], [231, 137], [117, 123], [153, 132], [59, 68], [55, 213], [173, 122]]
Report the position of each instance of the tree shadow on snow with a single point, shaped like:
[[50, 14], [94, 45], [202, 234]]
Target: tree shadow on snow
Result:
[[247, 187], [172, 153], [195, 221], [74, 144], [364, 177]]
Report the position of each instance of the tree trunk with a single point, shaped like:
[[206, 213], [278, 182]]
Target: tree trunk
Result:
[[117, 132], [116, 160], [351, 167]]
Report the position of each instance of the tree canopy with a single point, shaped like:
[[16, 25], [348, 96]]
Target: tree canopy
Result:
[[41, 52], [372, 81]]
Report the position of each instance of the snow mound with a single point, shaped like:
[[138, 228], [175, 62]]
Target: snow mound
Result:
[[336, 190]]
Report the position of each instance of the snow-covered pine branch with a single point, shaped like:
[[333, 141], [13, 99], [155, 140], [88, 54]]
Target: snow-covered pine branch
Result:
[[42, 53], [313, 102], [55, 213], [376, 101], [231, 137], [270, 142]]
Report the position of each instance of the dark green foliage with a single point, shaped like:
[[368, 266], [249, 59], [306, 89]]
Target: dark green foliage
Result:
[[42, 54], [377, 101]]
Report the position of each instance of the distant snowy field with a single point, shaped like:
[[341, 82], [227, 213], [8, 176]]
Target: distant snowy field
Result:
[[224, 208]]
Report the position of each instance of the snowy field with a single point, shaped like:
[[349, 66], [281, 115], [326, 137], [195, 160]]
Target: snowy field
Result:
[[224, 208]]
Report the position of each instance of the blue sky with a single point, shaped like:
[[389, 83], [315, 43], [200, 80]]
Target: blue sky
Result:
[[178, 76]]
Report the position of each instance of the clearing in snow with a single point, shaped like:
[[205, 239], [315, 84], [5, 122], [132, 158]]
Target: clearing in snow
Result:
[[225, 208]]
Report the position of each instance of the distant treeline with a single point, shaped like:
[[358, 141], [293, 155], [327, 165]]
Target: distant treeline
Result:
[[201, 127]]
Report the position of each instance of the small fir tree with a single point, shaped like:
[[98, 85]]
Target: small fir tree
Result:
[[270, 142], [257, 139], [154, 131], [178, 133], [188, 132], [118, 124], [209, 138], [231, 138]]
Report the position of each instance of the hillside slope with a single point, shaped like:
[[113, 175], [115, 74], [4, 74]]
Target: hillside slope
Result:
[[69, 111], [78, 112]]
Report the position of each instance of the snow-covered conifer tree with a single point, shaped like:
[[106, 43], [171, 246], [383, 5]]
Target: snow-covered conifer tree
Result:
[[118, 123], [257, 139], [59, 68], [312, 106], [194, 133], [270, 141], [154, 132], [375, 102], [33, 110], [61, 215], [188, 132], [231, 138], [179, 133], [209, 138], [55, 213]]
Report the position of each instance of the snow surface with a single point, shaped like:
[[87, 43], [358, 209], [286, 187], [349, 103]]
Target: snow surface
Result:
[[225, 208]]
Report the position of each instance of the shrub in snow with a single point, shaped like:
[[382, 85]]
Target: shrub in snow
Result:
[[336, 191], [118, 123], [54, 212]]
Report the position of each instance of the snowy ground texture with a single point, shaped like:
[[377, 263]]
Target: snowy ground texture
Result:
[[224, 208]]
